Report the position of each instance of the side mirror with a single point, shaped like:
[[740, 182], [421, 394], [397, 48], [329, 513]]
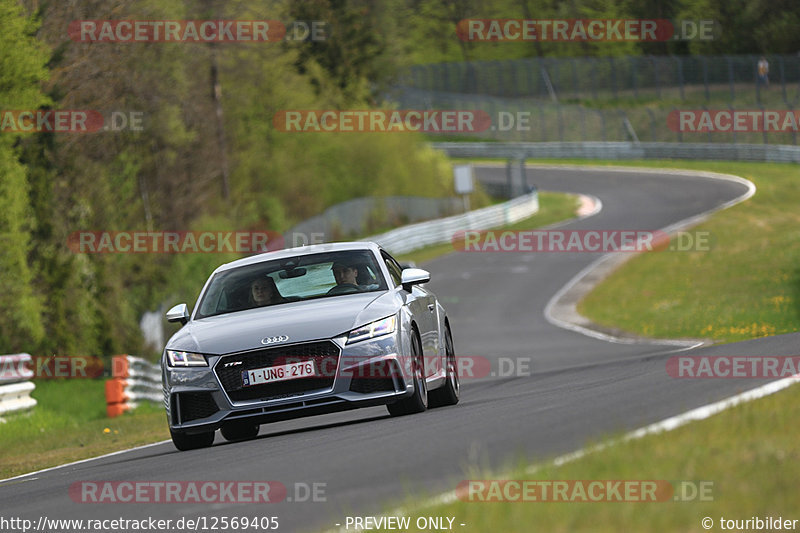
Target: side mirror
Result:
[[414, 276], [179, 313]]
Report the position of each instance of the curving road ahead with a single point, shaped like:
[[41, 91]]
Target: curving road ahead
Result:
[[579, 388]]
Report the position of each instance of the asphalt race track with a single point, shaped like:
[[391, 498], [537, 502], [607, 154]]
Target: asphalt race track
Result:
[[579, 388]]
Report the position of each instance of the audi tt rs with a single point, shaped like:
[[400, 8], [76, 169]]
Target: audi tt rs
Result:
[[301, 332]]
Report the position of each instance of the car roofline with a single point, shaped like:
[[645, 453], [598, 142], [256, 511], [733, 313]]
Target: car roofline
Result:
[[301, 250]]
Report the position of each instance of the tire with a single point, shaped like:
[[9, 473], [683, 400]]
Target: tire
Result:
[[236, 432], [185, 441], [418, 402], [450, 392]]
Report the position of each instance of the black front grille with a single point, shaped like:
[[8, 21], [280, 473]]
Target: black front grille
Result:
[[324, 354], [195, 405]]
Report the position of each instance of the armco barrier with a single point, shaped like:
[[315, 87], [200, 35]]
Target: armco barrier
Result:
[[774, 153], [412, 237], [15, 384], [134, 380]]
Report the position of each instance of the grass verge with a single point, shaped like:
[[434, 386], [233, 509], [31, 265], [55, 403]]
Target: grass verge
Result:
[[743, 459], [746, 286], [69, 423]]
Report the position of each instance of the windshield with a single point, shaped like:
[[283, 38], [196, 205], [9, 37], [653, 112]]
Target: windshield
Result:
[[291, 279]]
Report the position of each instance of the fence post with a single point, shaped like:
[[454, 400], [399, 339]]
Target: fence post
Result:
[[574, 78], [730, 77], [680, 75], [704, 108], [652, 123], [583, 122], [602, 123], [543, 127], [613, 76], [783, 80], [654, 59], [680, 133], [509, 177], [524, 174], [757, 82]]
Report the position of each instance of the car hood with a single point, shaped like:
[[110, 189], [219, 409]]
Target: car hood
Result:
[[300, 321]]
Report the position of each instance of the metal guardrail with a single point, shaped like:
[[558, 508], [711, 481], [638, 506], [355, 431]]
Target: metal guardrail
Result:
[[15, 384], [134, 380], [624, 150], [360, 215], [415, 236]]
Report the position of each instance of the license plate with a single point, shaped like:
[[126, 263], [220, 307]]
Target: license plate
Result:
[[273, 374]]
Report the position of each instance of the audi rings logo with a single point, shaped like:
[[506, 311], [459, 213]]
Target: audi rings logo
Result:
[[273, 340]]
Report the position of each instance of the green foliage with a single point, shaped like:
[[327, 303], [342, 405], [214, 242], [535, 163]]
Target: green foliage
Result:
[[22, 61], [427, 33], [207, 115]]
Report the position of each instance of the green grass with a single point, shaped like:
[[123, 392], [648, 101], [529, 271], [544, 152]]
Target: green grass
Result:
[[747, 453], [553, 207], [69, 423], [746, 286]]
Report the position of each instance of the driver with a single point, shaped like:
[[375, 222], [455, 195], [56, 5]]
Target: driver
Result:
[[345, 274]]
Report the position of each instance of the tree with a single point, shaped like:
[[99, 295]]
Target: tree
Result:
[[22, 69]]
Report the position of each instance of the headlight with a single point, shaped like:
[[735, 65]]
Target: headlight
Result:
[[176, 358], [373, 329]]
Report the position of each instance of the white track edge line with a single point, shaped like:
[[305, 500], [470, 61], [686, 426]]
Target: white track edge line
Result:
[[111, 454], [684, 223], [668, 424]]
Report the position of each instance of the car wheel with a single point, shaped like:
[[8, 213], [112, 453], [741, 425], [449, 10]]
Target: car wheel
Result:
[[450, 393], [185, 441], [234, 432], [418, 402]]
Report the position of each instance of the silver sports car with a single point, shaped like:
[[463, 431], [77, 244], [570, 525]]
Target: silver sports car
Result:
[[301, 332]]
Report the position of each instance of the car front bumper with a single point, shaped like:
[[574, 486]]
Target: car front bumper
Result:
[[367, 373]]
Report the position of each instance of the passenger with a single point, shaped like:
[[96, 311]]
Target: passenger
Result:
[[263, 291]]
